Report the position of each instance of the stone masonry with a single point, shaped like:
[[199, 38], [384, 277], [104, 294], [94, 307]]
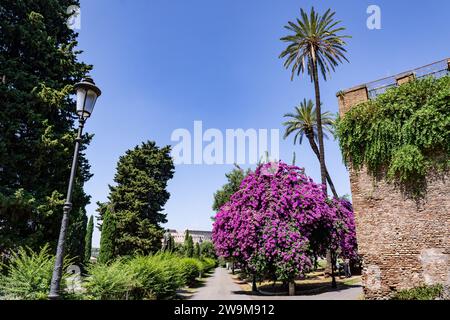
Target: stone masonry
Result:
[[403, 243]]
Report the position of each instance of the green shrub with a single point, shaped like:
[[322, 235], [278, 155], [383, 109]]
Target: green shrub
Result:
[[28, 274], [208, 250], [420, 293], [144, 277], [138, 278], [190, 269], [110, 281], [208, 264], [157, 277]]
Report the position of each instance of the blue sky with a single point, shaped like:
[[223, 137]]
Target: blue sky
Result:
[[164, 64]]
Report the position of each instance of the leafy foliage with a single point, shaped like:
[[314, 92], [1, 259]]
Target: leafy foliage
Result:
[[28, 274], [207, 250], [158, 276], [223, 195], [39, 66], [109, 281], [191, 269], [188, 246], [197, 250], [420, 293], [88, 248], [137, 200], [403, 133], [107, 243]]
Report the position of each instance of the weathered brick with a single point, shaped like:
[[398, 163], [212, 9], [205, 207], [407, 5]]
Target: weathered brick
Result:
[[403, 243]]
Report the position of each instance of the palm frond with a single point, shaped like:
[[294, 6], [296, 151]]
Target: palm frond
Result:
[[303, 121], [314, 35]]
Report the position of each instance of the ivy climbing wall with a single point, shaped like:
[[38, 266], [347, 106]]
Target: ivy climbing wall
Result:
[[404, 241]]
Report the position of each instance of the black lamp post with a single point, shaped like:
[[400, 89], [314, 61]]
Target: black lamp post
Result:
[[87, 94]]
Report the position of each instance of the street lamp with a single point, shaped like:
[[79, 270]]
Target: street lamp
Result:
[[87, 94]]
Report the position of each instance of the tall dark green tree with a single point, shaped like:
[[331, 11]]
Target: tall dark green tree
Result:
[[138, 198], [170, 244], [88, 241], [223, 195], [207, 250], [188, 246], [197, 253], [107, 244], [38, 68]]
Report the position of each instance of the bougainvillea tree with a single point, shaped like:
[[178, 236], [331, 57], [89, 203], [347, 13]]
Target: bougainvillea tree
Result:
[[279, 220]]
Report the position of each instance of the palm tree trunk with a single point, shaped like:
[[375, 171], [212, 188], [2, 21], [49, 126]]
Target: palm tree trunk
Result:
[[313, 145], [319, 122]]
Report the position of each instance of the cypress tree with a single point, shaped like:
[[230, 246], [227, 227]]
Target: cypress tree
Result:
[[189, 247], [88, 242], [172, 244], [138, 198], [38, 68], [197, 250], [107, 242]]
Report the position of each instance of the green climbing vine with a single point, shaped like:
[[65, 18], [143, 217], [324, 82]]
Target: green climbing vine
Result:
[[402, 134]]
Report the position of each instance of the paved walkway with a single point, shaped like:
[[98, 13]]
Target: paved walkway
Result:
[[221, 286]]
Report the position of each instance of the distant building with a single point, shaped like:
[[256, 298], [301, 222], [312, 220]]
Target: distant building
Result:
[[197, 235]]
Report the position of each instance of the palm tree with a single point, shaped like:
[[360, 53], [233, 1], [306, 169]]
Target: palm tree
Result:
[[315, 44], [303, 122]]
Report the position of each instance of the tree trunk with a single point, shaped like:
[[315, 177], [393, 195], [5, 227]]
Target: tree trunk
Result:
[[313, 145], [333, 266], [329, 264], [254, 287], [292, 288], [323, 170]]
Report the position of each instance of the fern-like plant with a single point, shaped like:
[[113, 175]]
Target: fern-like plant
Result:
[[28, 274]]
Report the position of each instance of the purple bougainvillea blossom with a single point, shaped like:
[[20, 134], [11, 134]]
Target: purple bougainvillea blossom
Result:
[[279, 220]]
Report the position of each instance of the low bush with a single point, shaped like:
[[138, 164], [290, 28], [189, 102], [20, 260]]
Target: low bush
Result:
[[208, 264], [144, 277], [191, 269], [420, 293], [157, 277], [28, 274], [112, 281]]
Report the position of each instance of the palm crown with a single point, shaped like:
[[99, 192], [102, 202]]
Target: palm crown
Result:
[[316, 39], [303, 121]]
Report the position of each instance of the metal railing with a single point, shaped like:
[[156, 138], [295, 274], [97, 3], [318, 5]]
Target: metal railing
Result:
[[436, 70]]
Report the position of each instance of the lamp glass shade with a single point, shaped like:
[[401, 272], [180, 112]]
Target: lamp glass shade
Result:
[[87, 94]]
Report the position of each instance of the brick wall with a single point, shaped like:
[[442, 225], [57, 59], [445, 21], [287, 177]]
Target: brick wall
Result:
[[351, 97], [403, 243]]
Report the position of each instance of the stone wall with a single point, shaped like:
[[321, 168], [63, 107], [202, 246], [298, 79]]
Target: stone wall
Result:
[[403, 243]]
